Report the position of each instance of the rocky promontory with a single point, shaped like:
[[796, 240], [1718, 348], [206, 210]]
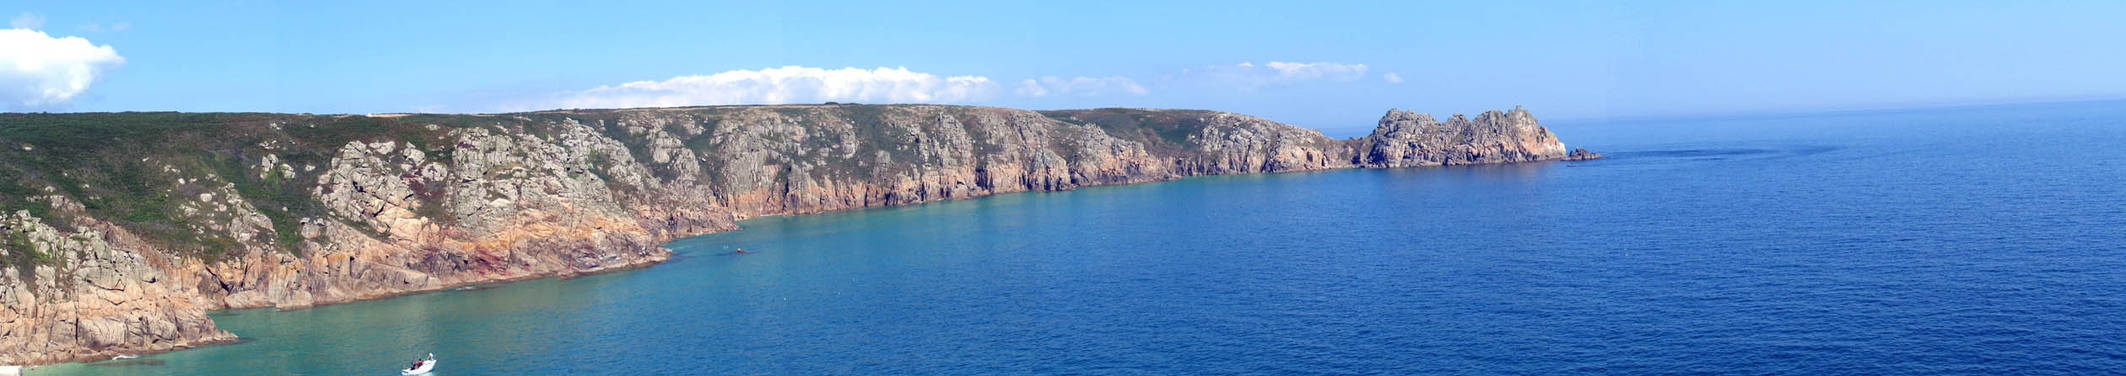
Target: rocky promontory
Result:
[[123, 229]]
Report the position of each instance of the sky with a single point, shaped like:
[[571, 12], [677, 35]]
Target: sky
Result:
[[1321, 64]]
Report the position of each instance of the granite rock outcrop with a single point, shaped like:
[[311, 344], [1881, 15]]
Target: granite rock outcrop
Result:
[[122, 230]]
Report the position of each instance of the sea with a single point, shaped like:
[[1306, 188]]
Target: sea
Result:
[[1956, 240]]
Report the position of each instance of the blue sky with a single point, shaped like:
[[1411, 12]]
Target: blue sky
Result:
[[1569, 60]]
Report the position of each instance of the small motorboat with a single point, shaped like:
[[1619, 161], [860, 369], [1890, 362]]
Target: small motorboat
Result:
[[124, 357], [421, 367]]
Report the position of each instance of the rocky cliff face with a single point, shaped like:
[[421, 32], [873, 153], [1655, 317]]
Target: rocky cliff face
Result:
[[1405, 139], [123, 230]]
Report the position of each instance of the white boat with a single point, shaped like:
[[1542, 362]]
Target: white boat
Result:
[[124, 357], [421, 367]]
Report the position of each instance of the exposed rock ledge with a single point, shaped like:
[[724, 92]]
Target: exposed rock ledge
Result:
[[122, 244]]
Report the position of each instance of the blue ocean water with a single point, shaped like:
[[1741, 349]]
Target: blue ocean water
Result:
[[1977, 240]]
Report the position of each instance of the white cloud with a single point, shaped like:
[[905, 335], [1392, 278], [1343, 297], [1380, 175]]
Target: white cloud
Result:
[[1317, 71], [1080, 86], [1248, 75], [39, 71], [1391, 77], [26, 21], [789, 84]]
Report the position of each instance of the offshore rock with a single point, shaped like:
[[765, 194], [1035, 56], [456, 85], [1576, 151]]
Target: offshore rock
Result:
[[1582, 155]]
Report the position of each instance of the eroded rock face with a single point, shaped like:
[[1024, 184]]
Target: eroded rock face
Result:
[[1241, 144], [1405, 139], [487, 198], [105, 299]]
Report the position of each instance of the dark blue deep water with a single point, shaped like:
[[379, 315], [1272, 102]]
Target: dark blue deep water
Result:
[[1975, 240]]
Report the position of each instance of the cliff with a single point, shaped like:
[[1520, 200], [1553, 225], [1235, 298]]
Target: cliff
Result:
[[124, 229]]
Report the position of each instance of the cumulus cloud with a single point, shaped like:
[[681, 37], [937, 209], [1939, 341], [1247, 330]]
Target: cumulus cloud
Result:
[[789, 84], [1248, 75], [1080, 86], [1392, 78], [39, 71], [26, 21]]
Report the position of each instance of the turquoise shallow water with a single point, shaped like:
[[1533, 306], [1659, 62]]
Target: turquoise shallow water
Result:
[[1966, 240]]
